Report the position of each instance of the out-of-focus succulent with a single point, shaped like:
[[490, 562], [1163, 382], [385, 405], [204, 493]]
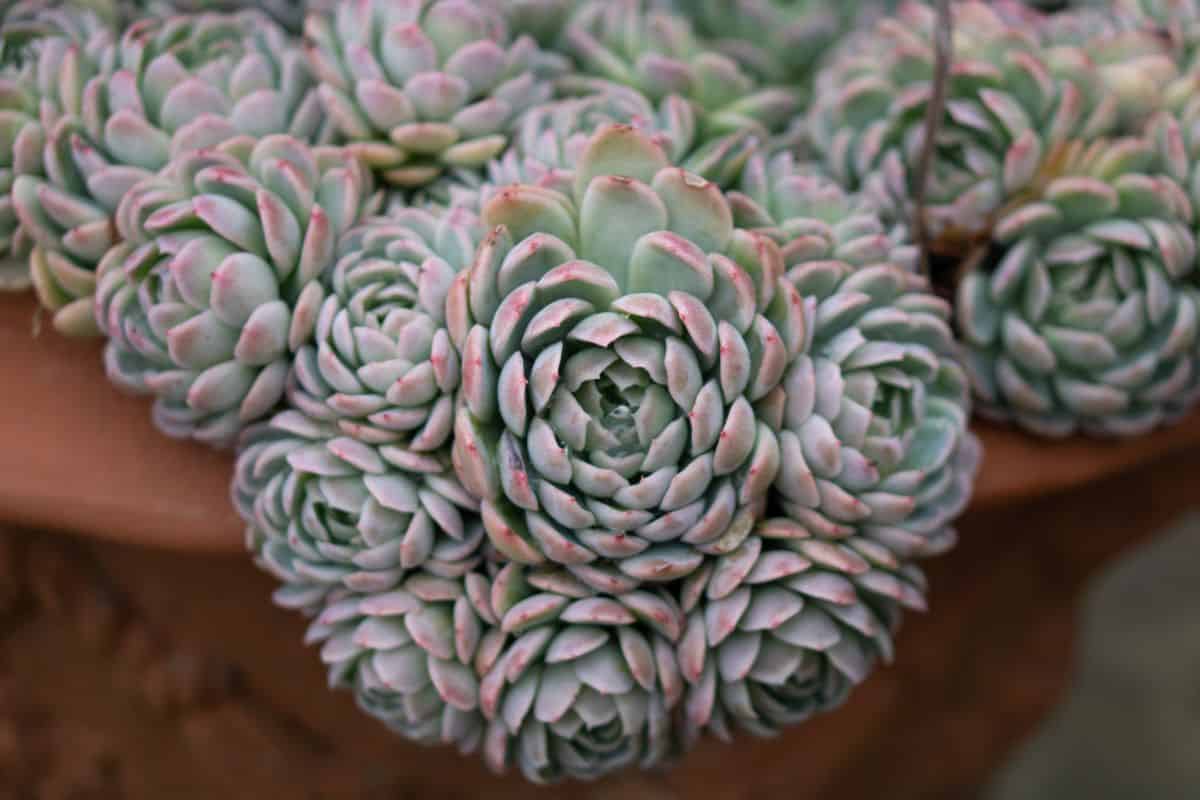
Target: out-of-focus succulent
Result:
[[638, 44], [1178, 19], [1013, 104], [218, 283], [876, 462], [20, 153], [1082, 314], [169, 87], [541, 19], [576, 684], [550, 139], [1129, 52], [614, 342], [420, 86], [811, 217], [59, 49], [779, 40]]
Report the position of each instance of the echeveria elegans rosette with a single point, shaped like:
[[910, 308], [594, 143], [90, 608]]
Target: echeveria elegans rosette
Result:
[[410, 655], [637, 43], [578, 684], [218, 282], [1010, 107], [382, 366], [876, 463], [66, 49], [419, 86], [784, 627], [550, 138], [614, 343], [169, 86], [812, 218], [1083, 314], [326, 511]]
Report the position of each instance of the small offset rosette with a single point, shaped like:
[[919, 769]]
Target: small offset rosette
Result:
[[409, 656], [218, 283], [381, 365], [614, 344], [784, 627], [576, 684], [326, 511]]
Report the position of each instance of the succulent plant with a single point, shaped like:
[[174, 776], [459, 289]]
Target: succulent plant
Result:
[[579, 684], [59, 50], [778, 40], [1135, 61], [352, 486], [637, 43], [810, 216], [876, 462], [1178, 19], [1082, 313], [614, 343], [421, 86], [548, 142], [1013, 103], [382, 366], [784, 627], [408, 655], [326, 511], [170, 86], [218, 281], [19, 153]]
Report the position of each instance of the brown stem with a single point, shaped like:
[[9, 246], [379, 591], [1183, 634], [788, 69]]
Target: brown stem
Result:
[[942, 46]]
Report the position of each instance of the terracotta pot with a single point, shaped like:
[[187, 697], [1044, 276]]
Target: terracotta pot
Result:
[[80, 456]]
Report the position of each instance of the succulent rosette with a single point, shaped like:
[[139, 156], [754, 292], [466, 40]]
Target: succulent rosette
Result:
[[218, 281], [637, 43], [778, 40], [548, 142], [352, 486], [328, 512], [409, 655], [421, 86], [876, 463], [614, 343], [576, 684], [811, 217], [169, 86], [1082, 313], [19, 154], [784, 627], [1012, 104], [58, 50]]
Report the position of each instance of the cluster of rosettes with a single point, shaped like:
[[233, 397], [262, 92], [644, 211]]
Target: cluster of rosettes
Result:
[[1059, 202], [601, 369], [583, 469]]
